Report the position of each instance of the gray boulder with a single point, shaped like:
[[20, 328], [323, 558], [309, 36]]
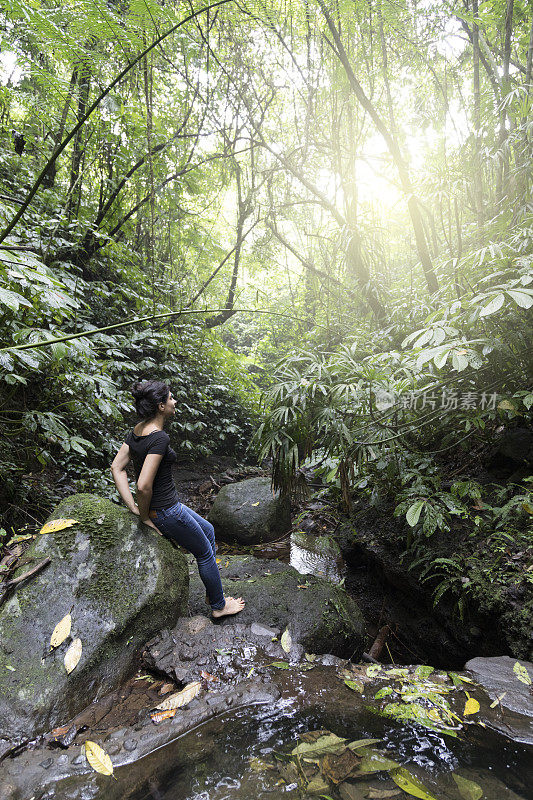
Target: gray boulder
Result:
[[121, 583], [321, 617], [497, 677], [248, 512]]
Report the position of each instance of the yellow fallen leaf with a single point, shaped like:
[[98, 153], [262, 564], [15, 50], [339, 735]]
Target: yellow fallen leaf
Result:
[[61, 631], [255, 504], [218, 560], [98, 758], [471, 706], [73, 655], [286, 641], [182, 698], [498, 700], [58, 525], [521, 673]]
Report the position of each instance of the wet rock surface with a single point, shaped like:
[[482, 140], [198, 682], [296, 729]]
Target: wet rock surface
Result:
[[248, 512], [498, 678], [119, 582], [321, 617], [234, 654]]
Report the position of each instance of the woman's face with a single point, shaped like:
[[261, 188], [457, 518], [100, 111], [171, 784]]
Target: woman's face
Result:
[[169, 407]]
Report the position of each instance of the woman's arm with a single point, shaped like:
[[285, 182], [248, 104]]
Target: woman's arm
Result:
[[118, 470], [145, 484]]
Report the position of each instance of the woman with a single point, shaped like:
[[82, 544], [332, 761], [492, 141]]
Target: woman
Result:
[[158, 505]]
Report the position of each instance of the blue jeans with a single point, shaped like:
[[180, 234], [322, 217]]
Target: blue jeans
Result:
[[197, 535]]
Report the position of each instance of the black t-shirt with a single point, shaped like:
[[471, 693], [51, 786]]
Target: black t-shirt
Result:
[[164, 492]]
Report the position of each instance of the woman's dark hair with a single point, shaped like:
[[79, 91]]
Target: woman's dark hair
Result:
[[148, 395]]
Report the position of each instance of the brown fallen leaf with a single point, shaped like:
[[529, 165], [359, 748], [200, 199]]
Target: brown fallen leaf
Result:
[[206, 676], [338, 767], [159, 716], [348, 791], [63, 735], [166, 688]]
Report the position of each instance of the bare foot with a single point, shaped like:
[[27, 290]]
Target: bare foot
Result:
[[233, 606]]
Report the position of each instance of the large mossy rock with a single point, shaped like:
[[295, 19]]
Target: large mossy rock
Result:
[[321, 617], [249, 513], [121, 583]]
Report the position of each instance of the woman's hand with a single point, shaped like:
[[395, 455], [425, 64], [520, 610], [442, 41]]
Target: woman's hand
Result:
[[151, 525]]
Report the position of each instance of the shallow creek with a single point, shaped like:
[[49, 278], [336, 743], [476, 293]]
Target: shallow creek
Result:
[[222, 760]]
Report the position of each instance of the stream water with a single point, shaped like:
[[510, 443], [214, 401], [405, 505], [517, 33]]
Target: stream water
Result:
[[221, 760]]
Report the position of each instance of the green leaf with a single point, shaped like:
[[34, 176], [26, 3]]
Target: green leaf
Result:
[[467, 789], [459, 361], [329, 743], [441, 358], [413, 513], [280, 665], [521, 298], [495, 304], [424, 671], [397, 672], [12, 300], [355, 686], [373, 761], [406, 781], [383, 692], [373, 670], [359, 743], [456, 680]]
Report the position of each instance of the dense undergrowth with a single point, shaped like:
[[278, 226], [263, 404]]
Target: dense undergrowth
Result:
[[413, 418], [65, 408]]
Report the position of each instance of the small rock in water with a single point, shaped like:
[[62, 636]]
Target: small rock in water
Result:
[[262, 630], [130, 744]]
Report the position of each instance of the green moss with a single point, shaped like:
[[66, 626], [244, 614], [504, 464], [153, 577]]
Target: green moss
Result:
[[100, 519]]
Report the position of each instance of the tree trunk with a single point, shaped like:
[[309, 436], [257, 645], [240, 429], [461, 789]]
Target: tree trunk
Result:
[[503, 170], [76, 180], [394, 149], [50, 175], [478, 185]]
